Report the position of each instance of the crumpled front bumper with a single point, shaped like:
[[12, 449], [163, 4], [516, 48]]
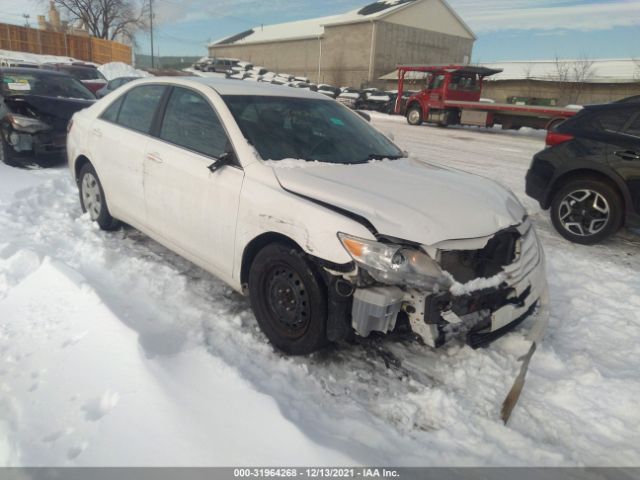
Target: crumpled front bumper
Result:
[[482, 315]]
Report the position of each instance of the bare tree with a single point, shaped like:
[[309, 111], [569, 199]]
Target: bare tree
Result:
[[107, 19], [572, 77]]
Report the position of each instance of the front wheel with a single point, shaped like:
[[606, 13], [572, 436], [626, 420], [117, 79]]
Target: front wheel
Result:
[[414, 115], [92, 199], [289, 300], [587, 211]]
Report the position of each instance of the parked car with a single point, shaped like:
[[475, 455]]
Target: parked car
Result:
[[220, 65], [351, 97], [114, 85], [374, 99], [328, 90], [35, 107], [85, 72], [393, 96], [327, 245], [589, 174]]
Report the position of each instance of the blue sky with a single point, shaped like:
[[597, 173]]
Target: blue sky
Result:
[[506, 29]]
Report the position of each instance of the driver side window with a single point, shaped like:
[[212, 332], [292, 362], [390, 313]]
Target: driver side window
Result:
[[190, 122]]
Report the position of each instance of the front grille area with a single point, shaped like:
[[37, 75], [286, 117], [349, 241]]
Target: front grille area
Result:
[[467, 265]]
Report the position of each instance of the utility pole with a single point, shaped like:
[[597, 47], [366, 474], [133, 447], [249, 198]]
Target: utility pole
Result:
[[26, 19], [151, 25]]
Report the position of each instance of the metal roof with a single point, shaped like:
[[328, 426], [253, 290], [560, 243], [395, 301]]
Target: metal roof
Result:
[[314, 27], [600, 71]]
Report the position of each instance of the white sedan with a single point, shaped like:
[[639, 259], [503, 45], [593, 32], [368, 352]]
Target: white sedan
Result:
[[298, 202]]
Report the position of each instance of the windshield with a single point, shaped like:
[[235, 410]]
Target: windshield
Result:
[[308, 129], [44, 84]]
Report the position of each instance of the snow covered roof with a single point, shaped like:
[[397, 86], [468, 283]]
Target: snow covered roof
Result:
[[599, 71], [314, 27]]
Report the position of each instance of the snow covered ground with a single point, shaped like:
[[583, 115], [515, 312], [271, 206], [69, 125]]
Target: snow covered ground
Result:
[[114, 351]]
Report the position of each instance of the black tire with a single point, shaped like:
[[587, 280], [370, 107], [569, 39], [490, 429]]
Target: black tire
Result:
[[414, 115], [5, 156], [582, 214], [289, 299], [99, 214]]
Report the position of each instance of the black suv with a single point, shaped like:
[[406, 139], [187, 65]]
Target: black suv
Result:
[[589, 174]]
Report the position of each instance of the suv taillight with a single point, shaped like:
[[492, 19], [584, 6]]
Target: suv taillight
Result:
[[69, 125], [555, 138]]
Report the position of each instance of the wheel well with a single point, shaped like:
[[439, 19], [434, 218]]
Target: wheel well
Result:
[[554, 122], [563, 179], [414, 103], [257, 244], [81, 161]]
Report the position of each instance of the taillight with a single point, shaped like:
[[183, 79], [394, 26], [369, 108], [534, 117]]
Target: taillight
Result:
[[69, 125], [556, 138]]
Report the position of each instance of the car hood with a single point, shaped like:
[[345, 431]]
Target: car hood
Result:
[[55, 111], [409, 199]]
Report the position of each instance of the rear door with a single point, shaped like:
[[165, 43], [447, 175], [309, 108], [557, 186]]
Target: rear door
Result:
[[624, 158], [187, 204], [118, 145]]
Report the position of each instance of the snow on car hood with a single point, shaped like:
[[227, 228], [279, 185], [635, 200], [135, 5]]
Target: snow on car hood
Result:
[[409, 199]]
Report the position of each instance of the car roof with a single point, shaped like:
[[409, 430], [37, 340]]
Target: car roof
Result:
[[605, 107], [239, 87], [31, 71]]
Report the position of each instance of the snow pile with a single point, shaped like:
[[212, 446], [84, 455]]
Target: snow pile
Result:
[[34, 58], [460, 289], [119, 69]]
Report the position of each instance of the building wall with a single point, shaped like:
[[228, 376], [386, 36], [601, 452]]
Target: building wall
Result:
[[296, 57], [430, 15], [583, 94], [358, 54], [399, 44], [346, 51]]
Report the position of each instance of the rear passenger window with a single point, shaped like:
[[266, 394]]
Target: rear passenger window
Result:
[[139, 107], [609, 121], [111, 113], [190, 122]]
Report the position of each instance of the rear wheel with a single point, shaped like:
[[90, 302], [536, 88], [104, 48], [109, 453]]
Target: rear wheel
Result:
[[289, 299], [5, 152], [587, 211], [414, 115], [93, 200]]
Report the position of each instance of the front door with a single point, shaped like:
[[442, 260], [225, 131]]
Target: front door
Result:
[[187, 204]]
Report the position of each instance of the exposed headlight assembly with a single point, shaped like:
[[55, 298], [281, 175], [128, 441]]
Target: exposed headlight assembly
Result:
[[394, 264], [25, 124]]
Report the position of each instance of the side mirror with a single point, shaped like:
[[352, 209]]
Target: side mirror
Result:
[[223, 160], [364, 115]]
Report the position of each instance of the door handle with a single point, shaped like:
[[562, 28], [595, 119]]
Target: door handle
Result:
[[154, 157], [628, 155], [97, 132]]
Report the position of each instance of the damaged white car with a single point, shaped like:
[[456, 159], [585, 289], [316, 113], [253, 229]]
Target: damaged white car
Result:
[[293, 199]]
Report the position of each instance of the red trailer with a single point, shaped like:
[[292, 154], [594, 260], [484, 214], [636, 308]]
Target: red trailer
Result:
[[452, 97]]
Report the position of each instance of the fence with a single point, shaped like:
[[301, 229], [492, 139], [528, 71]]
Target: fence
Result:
[[33, 40]]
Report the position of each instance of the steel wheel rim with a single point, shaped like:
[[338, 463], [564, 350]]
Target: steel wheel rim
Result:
[[91, 196], [287, 301], [414, 116], [584, 212]]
